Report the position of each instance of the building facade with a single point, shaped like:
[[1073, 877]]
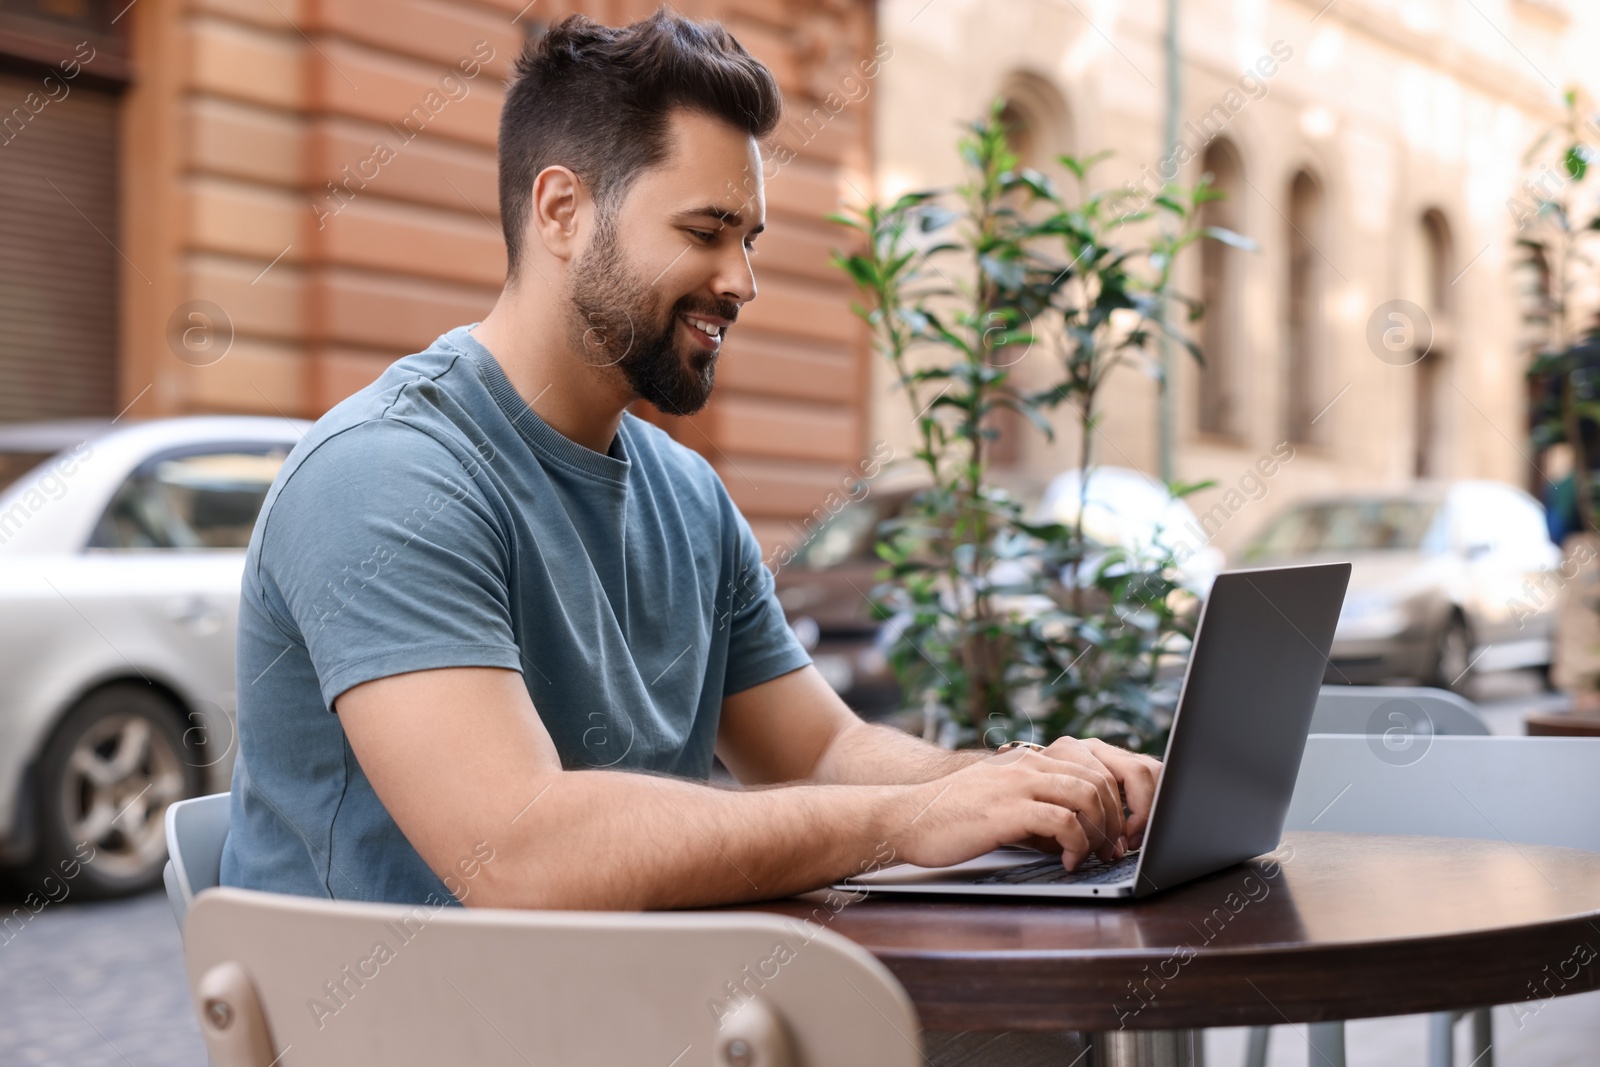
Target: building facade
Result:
[[254, 206], [1368, 147]]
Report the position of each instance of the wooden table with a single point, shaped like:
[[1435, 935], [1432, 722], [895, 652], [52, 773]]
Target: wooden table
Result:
[[1331, 926], [1562, 723]]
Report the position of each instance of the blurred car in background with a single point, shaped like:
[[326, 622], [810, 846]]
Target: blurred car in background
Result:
[[826, 592], [1443, 585], [826, 588], [121, 553], [1136, 513]]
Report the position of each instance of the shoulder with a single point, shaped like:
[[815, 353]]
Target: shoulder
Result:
[[373, 457], [356, 477], [666, 462], [411, 422]]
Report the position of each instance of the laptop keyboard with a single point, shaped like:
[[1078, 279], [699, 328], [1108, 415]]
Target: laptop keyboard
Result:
[[1050, 872]]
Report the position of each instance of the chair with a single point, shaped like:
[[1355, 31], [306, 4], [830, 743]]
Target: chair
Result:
[[196, 829], [1416, 713], [1539, 790], [342, 982], [1373, 709]]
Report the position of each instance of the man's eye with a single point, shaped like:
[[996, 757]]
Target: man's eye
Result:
[[704, 235]]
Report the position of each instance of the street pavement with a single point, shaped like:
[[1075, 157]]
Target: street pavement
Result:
[[102, 985], [98, 984]]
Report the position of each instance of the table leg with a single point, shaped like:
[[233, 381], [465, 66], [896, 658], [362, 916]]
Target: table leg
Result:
[[1147, 1048], [1482, 1038], [1326, 1045], [1255, 1050], [1441, 1038]]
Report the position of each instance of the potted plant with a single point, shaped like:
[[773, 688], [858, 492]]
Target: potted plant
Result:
[[1007, 624]]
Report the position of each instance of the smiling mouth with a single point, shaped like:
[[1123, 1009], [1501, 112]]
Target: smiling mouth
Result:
[[708, 340]]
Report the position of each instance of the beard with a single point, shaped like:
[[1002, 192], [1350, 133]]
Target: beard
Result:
[[617, 321]]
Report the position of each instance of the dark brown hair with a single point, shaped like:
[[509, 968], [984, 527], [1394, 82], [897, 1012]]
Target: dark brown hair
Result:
[[598, 99]]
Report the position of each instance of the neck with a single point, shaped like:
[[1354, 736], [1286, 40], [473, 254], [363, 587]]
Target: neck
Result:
[[526, 332]]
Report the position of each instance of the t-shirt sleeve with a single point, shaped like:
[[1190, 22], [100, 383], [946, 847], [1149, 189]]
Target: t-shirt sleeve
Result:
[[383, 553], [761, 646]]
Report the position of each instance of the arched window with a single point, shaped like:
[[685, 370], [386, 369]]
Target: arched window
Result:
[[1034, 117], [1221, 277], [1304, 330], [1038, 123], [1021, 134], [1438, 258]]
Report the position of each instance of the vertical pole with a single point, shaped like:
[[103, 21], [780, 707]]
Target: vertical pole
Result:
[[1169, 357], [1255, 1050], [1147, 1048], [1441, 1039], [1325, 1045]]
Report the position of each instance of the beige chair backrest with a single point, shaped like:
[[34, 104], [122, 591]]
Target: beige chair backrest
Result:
[[301, 982]]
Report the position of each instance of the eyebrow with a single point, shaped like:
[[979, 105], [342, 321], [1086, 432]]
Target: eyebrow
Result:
[[724, 215]]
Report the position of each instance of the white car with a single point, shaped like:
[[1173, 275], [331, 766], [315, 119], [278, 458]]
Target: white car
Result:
[[121, 553], [1136, 513], [1449, 581]]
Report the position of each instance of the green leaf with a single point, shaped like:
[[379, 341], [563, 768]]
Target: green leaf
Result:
[[1577, 162], [1183, 489], [1171, 205]]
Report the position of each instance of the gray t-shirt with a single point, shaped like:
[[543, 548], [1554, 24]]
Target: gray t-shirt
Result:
[[433, 520]]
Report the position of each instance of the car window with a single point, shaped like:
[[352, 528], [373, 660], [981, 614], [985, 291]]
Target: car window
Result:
[[1500, 521], [848, 536], [1375, 525], [194, 499]]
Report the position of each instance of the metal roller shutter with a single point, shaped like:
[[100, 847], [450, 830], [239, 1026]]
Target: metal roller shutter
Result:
[[58, 268]]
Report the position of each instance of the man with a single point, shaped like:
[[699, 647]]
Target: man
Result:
[[494, 627]]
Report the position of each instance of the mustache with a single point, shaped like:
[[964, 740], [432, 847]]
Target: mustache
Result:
[[727, 310]]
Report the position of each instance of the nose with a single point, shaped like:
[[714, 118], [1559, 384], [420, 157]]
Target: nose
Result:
[[738, 279]]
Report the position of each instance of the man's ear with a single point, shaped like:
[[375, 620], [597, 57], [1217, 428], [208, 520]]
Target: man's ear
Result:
[[559, 203]]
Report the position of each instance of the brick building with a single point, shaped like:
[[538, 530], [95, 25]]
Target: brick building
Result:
[[255, 205], [1369, 147]]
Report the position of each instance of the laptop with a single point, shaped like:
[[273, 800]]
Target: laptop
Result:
[[1256, 666]]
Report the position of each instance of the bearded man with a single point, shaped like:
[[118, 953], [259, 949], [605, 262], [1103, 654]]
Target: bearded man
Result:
[[495, 628]]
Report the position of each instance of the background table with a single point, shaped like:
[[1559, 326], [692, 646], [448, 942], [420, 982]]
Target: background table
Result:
[[1562, 723], [1341, 926]]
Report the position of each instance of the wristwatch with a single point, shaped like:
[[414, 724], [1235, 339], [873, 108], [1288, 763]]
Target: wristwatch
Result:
[[1030, 745]]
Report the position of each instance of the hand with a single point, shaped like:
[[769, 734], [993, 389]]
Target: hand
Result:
[[1136, 775], [1015, 797]]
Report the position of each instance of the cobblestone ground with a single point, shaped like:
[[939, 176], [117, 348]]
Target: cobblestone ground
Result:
[[1564, 1032], [97, 985]]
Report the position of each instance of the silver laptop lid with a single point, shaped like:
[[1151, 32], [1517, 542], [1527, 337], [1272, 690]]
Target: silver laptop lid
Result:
[[1260, 652]]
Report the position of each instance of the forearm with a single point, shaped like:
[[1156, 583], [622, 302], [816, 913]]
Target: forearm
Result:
[[615, 840], [869, 753]]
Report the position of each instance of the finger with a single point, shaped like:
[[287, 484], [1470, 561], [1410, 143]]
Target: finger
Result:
[[1105, 783], [1042, 844], [1077, 789], [1146, 778], [1156, 770], [1063, 827], [1137, 775]]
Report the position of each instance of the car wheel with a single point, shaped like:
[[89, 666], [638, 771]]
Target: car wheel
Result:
[[102, 787], [1452, 660]]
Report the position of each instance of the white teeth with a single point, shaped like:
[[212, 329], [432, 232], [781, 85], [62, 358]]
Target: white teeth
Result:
[[704, 327]]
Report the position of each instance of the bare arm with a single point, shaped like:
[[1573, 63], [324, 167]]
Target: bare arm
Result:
[[795, 727], [459, 756]]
